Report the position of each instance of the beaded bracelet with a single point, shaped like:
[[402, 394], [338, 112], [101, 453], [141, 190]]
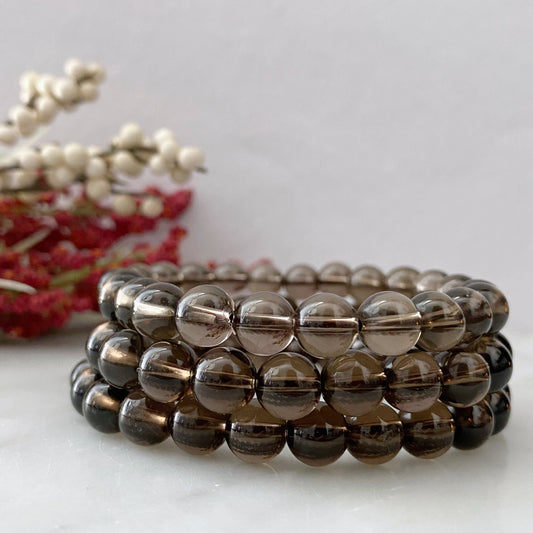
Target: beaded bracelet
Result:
[[438, 360]]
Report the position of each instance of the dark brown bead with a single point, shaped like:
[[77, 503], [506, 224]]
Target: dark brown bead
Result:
[[165, 370], [507, 391], [353, 383], [505, 341], [497, 300], [108, 286], [96, 339], [318, 439], [499, 360], [466, 378], [224, 380], [80, 386], [473, 425], [288, 386], [143, 420], [500, 403], [414, 381], [376, 437], [82, 367], [119, 359], [254, 435], [101, 406], [428, 434], [365, 281], [125, 297], [195, 429], [403, 279]]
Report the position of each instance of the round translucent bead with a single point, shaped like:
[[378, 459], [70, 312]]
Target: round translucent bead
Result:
[[500, 404], [288, 386], [498, 358], [120, 357], [195, 429], [254, 435], [473, 425], [505, 341], [96, 339], [476, 310], [204, 316], [192, 274], [466, 378], [80, 386], [82, 367], [429, 280], [230, 276], [165, 370], [165, 271], [125, 297], [108, 286], [143, 420], [318, 439], [265, 277], [154, 311], [264, 323], [301, 281], [443, 322], [129, 271], [428, 434], [403, 280], [497, 300], [390, 323], [224, 380], [334, 278], [453, 281], [142, 269], [353, 383], [325, 325], [101, 406], [365, 281], [375, 437], [414, 381]]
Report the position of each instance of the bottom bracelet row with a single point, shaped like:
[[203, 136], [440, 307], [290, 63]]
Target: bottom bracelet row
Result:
[[318, 439]]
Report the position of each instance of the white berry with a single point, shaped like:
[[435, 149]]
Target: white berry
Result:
[[23, 179], [130, 135], [124, 204], [76, 156], [52, 155], [151, 207], [45, 84], [29, 159], [169, 150], [191, 158], [8, 134], [158, 165], [180, 176], [25, 119], [96, 168], [46, 108], [75, 69], [28, 81], [60, 177], [88, 91], [96, 72], [65, 90], [98, 189], [125, 162], [163, 134]]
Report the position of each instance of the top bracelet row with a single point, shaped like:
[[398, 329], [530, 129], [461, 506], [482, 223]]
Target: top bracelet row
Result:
[[430, 310]]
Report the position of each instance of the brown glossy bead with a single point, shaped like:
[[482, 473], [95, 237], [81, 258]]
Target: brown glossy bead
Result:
[[144, 421], [365, 281], [443, 322], [403, 280], [428, 434], [353, 383], [154, 311], [497, 300], [230, 276], [254, 435], [473, 425], [224, 380], [498, 358], [120, 357], [82, 367], [204, 316], [101, 405], [453, 281], [500, 404], [165, 271], [301, 281], [80, 386], [288, 386], [430, 280], [318, 439], [414, 381], [264, 277], [466, 378], [124, 299], [264, 323], [505, 341], [476, 310], [107, 291], [390, 323], [193, 274], [375, 437], [96, 339], [165, 370], [195, 429], [325, 325], [334, 278]]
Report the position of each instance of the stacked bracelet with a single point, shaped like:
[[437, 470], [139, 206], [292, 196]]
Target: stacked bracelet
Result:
[[409, 359]]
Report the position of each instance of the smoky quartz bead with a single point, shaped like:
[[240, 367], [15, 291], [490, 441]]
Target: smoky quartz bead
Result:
[[497, 300], [505, 341], [204, 316], [500, 404], [288, 386], [301, 281], [254, 435], [498, 358], [453, 281], [264, 323], [80, 386], [101, 406], [325, 325], [428, 434], [318, 439], [96, 340], [429, 280], [192, 274], [353, 383], [414, 381], [120, 357], [124, 299], [230, 276], [224, 380], [195, 429], [365, 281], [143, 420], [83, 367], [165, 370], [334, 278], [109, 284], [466, 378], [390, 323], [443, 322], [473, 425], [154, 311], [264, 277], [403, 279], [165, 271], [375, 437]]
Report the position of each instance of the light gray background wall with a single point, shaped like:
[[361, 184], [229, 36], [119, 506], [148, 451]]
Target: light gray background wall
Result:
[[389, 132]]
